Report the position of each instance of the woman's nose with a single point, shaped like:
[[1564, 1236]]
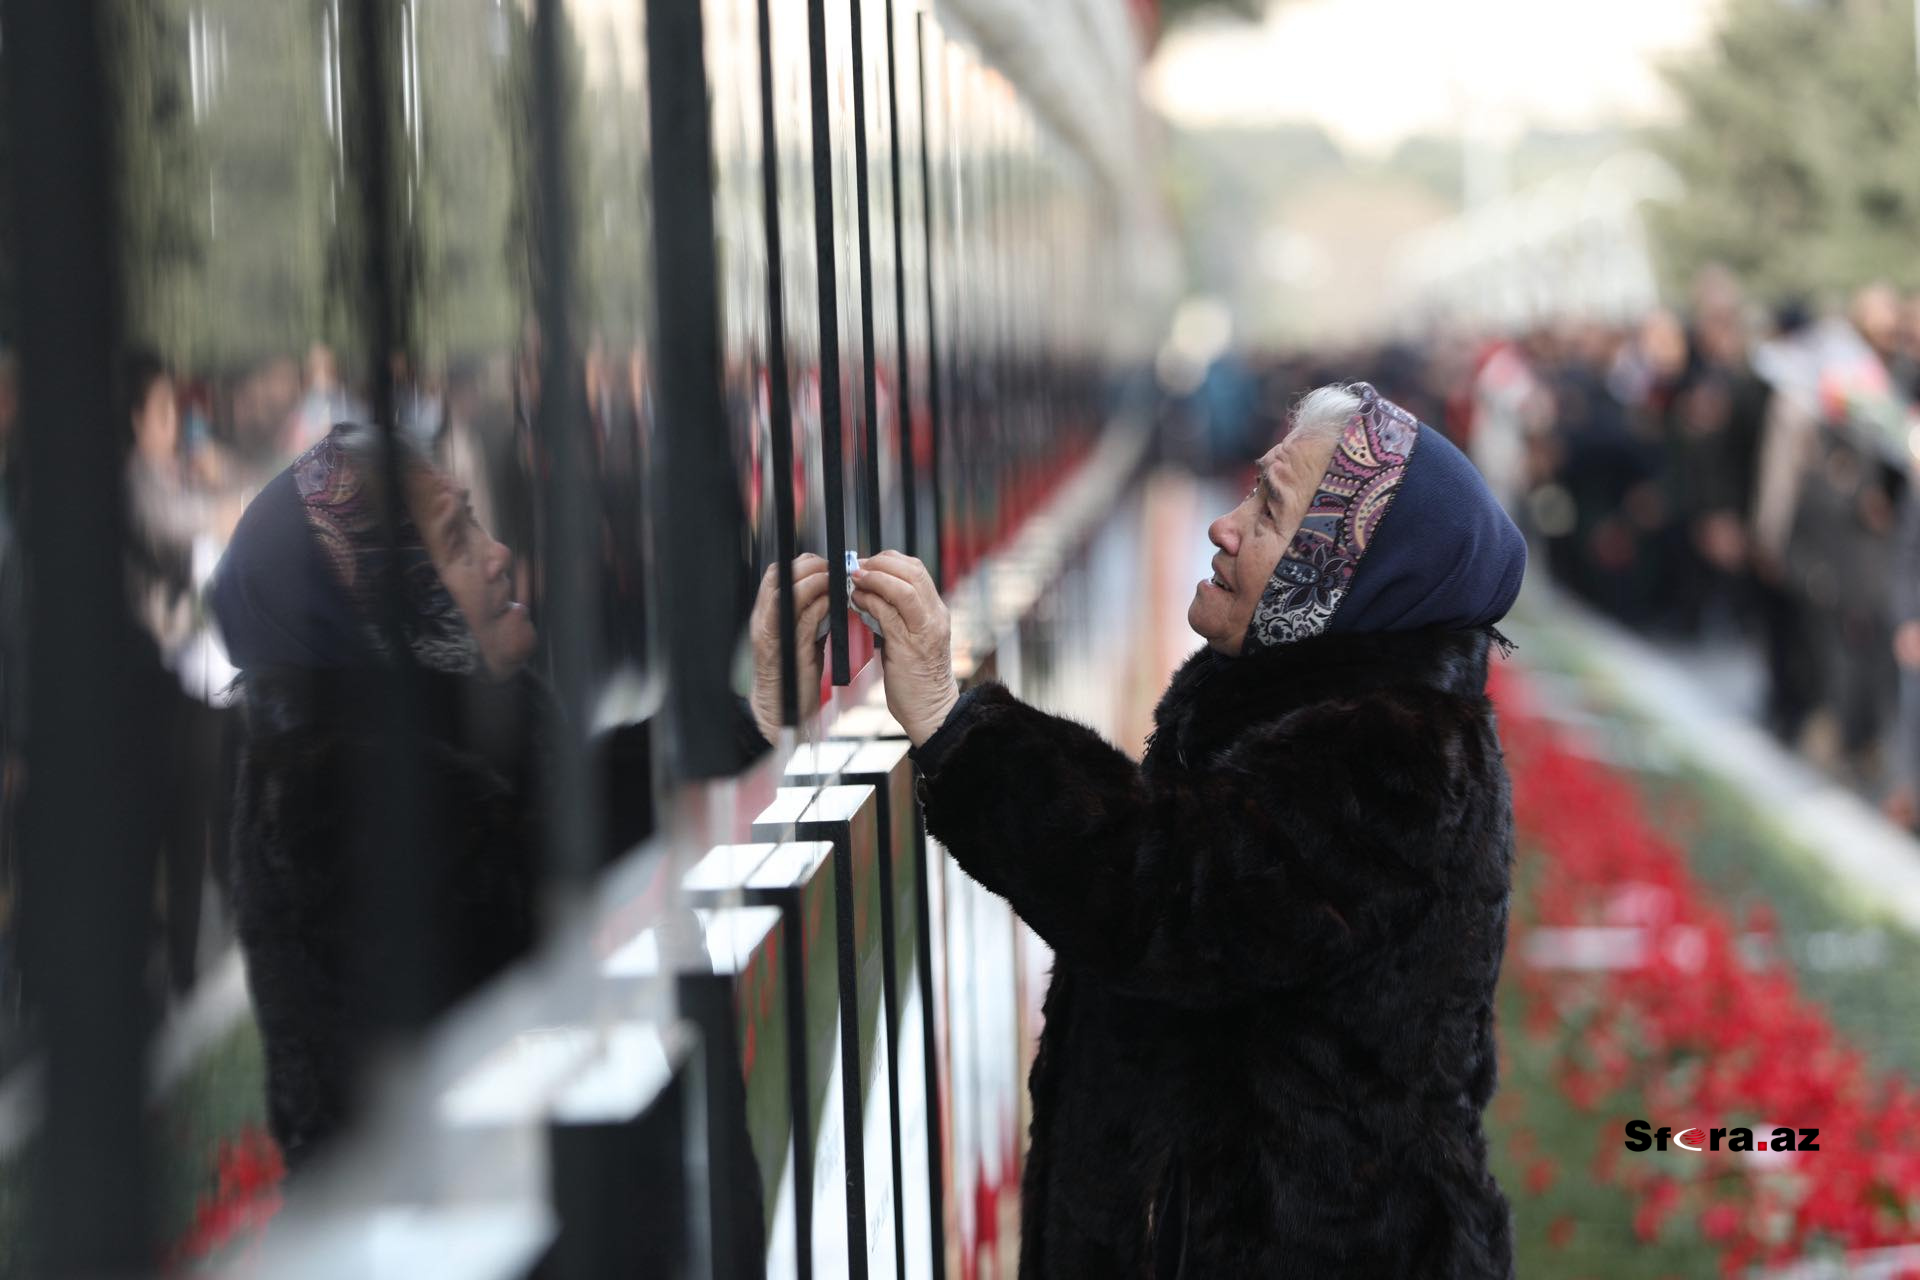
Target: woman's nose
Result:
[[499, 559], [1221, 533]]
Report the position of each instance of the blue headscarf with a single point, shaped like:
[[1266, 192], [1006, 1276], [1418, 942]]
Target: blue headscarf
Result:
[[1402, 534], [300, 584], [276, 601]]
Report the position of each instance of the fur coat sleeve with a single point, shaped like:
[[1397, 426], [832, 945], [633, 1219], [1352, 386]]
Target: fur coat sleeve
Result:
[[1300, 849]]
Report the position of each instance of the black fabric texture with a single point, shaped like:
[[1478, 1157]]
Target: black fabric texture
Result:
[[1276, 943], [300, 921]]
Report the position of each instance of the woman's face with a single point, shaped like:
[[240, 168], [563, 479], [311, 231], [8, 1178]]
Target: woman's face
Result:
[[476, 569], [1254, 535], [156, 423]]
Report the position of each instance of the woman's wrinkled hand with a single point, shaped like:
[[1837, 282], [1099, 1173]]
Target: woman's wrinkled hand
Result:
[[810, 609], [917, 658]]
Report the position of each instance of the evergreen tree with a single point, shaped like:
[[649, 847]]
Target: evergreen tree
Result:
[[1799, 128]]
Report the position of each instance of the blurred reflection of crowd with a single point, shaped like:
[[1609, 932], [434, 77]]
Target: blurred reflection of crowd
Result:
[[198, 445], [1714, 474]]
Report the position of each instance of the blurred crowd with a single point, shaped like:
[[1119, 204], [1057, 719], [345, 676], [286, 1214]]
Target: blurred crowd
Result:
[[1714, 475], [1719, 474]]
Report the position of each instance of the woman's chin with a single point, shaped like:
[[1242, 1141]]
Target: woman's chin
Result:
[[1202, 619], [509, 642]]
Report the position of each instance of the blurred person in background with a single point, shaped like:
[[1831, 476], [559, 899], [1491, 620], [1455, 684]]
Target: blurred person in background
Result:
[[323, 402], [170, 517], [1713, 425], [1903, 795], [1902, 802], [1788, 362], [206, 458], [1229, 403], [1905, 365], [1510, 408], [1840, 545], [167, 505], [419, 403], [1269, 1036], [264, 397], [1644, 377], [1600, 461], [520, 471], [1830, 480], [464, 448]]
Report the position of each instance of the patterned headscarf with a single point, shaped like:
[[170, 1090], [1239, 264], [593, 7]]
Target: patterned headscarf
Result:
[[301, 583], [1450, 558]]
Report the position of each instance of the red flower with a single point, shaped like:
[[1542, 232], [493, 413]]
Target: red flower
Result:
[[1693, 1032], [248, 1172], [1720, 1222], [1655, 1207]]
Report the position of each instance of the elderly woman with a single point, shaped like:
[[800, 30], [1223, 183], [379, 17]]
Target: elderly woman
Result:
[[1269, 1038], [300, 597]]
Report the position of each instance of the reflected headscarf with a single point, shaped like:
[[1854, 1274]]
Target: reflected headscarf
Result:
[[1402, 534], [300, 584]]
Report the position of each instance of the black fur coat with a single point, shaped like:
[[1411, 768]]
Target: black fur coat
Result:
[[1269, 1037], [317, 963], [311, 954]]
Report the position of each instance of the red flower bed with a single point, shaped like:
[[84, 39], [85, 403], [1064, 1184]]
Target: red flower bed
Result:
[[248, 1172], [1705, 1025]]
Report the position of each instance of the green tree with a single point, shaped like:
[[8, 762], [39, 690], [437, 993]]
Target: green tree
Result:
[[1172, 11], [224, 166], [1799, 127], [161, 173], [466, 291]]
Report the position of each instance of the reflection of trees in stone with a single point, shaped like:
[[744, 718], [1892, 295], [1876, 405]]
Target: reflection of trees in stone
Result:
[[615, 257], [350, 293], [526, 219], [480, 207], [465, 299], [224, 165], [163, 192], [603, 124], [1175, 11], [243, 233]]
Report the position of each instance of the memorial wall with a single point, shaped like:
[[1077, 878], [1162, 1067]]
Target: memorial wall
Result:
[[650, 299]]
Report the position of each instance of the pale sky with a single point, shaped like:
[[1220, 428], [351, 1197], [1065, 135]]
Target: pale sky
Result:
[[1374, 71]]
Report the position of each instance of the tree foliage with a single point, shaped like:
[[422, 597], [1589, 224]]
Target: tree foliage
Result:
[[225, 172], [239, 158], [1797, 141], [1172, 11]]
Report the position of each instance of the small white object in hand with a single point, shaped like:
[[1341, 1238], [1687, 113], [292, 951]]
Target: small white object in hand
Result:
[[853, 562]]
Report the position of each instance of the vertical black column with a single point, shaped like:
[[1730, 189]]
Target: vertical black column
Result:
[[85, 891], [910, 507], [573, 803], [390, 830], [695, 491], [863, 203], [935, 422], [780, 382], [833, 423]]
